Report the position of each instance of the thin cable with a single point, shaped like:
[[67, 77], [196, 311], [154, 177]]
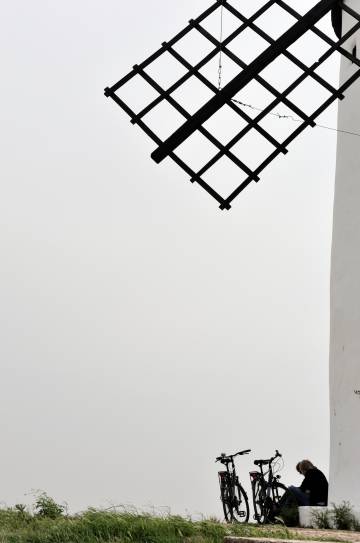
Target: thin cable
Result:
[[220, 52], [295, 119], [275, 114], [338, 130], [278, 115]]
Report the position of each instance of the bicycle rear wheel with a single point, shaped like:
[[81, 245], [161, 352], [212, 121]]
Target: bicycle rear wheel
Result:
[[226, 503], [259, 501]]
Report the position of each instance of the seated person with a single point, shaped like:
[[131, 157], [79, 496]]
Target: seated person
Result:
[[314, 488], [312, 491]]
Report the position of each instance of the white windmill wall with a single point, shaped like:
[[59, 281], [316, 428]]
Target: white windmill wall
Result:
[[345, 296]]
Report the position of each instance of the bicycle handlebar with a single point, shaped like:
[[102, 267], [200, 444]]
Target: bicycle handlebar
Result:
[[268, 461], [229, 457]]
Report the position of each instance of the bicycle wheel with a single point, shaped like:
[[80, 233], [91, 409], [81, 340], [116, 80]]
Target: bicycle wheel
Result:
[[270, 503], [240, 509], [259, 501], [278, 491], [226, 503]]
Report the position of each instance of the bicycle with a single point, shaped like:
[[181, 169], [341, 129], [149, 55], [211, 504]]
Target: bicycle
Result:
[[266, 493], [233, 496]]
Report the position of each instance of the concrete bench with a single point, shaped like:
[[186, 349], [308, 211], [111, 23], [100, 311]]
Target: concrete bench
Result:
[[306, 515]]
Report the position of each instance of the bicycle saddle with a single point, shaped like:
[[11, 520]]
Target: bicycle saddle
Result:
[[261, 462]]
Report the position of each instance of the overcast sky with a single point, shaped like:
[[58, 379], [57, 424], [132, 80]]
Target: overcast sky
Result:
[[144, 331]]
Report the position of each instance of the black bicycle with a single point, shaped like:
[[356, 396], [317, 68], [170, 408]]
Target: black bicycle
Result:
[[266, 493], [233, 496]]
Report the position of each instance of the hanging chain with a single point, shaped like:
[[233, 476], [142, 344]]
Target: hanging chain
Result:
[[220, 52]]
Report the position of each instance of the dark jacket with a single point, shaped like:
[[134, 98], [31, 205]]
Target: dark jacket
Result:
[[316, 485]]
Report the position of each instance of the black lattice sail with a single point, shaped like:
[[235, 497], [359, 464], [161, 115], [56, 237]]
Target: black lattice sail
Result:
[[196, 119]]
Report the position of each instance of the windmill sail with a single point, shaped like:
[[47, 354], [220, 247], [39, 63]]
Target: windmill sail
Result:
[[248, 73]]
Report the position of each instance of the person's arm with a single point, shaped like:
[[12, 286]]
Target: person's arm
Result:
[[303, 485], [306, 484]]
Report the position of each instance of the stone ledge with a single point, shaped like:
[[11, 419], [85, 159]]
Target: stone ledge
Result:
[[326, 534], [311, 535], [306, 518]]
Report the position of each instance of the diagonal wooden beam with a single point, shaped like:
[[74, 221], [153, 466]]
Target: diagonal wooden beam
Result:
[[241, 80]]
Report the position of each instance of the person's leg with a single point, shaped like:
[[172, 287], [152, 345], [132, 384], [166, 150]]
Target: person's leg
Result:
[[301, 497], [292, 497]]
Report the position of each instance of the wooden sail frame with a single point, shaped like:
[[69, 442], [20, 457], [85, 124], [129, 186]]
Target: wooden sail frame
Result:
[[248, 73]]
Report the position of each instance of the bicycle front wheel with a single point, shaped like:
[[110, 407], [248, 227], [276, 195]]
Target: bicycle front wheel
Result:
[[278, 491], [240, 509], [270, 507]]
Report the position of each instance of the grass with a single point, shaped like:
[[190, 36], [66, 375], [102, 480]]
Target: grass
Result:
[[100, 526], [93, 526]]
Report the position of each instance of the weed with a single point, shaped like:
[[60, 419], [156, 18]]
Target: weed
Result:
[[340, 517], [45, 506], [343, 516], [322, 519]]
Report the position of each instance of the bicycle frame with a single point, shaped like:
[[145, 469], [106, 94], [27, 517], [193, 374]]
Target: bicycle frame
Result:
[[267, 484], [265, 488], [233, 496], [232, 478]]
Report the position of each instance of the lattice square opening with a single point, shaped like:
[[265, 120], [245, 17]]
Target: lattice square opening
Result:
[[164, 119], [253, 149], [196, 151], [137, 93], [192, 94], [308, 48], [248, 45], [224, 177], [194, 47], [308, 96], [324, 25], [221, 25], [225, 124], [166, 70], [283, 21], [229, 70], [281, 73]]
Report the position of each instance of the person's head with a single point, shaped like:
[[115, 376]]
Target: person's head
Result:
[[304, 466]]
